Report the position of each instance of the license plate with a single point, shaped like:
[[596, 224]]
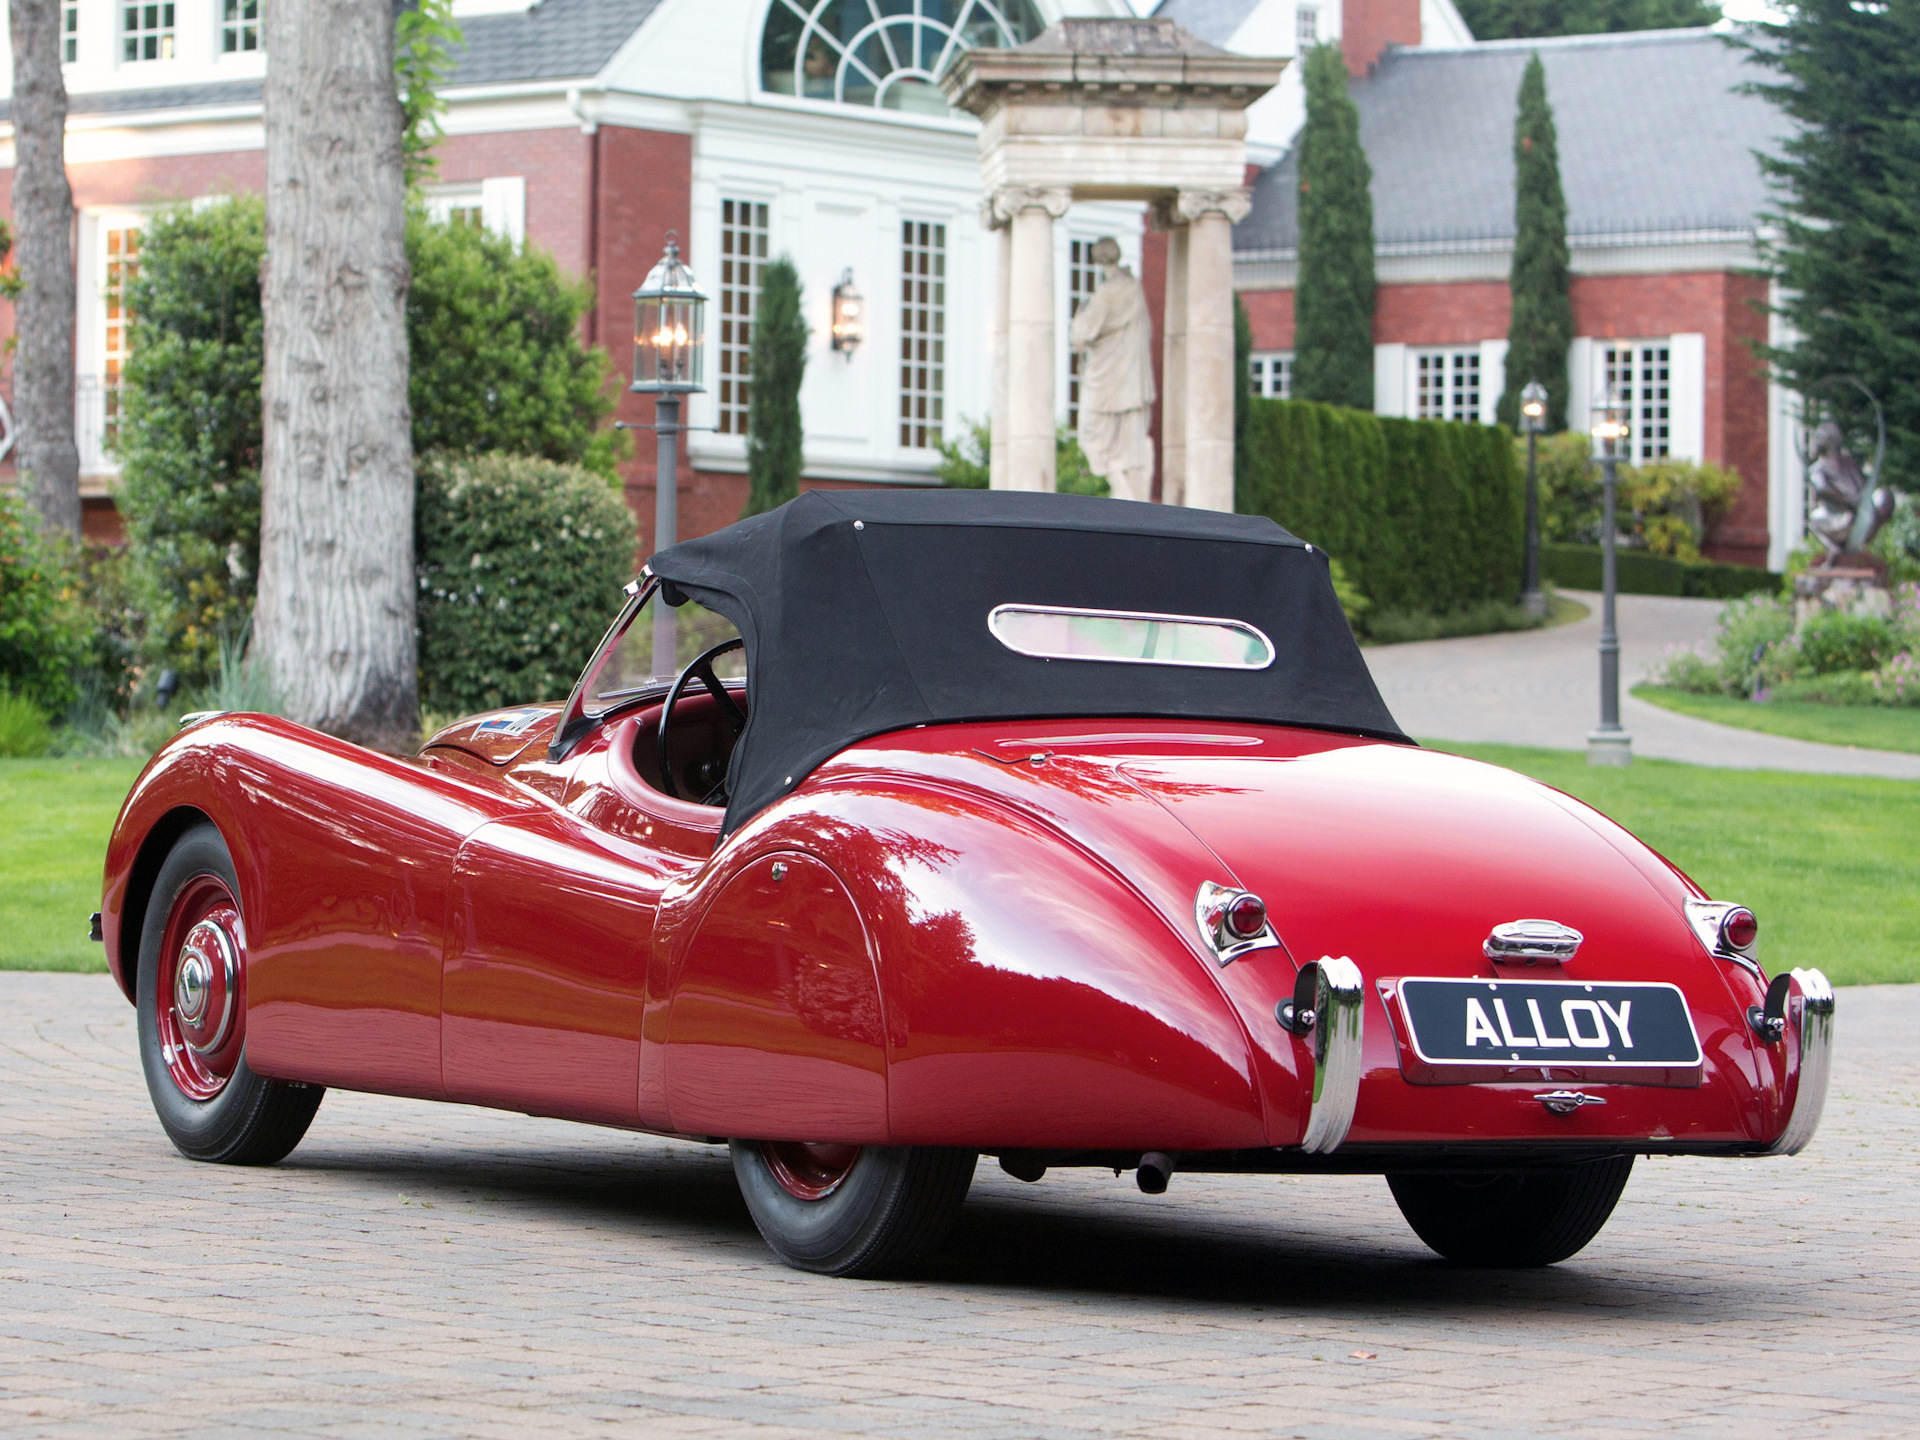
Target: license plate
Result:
[[1459, 1031]]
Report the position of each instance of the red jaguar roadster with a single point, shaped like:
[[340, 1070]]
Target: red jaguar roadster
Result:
[[1067, 831]]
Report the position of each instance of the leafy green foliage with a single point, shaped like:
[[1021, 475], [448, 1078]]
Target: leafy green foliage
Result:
[[1425, 516], [1242, 386], [1835, 658], [1526, 19], [191, 437], [1577, 567], [1833, 641], [44, 633], [497, 364], [778, 361], [519, 562], [493, 340], [424, 36], [24, 731], [966, 463], [1541, 328], [1333, 300], [1664, 507], [1849, 243]]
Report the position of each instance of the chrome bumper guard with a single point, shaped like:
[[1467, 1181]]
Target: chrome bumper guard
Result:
[[1335, 987], [1809, 1056]]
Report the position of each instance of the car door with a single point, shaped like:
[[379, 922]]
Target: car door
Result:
[[553, 915]]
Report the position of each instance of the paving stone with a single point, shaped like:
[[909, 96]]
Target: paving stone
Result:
[[430, 1271]]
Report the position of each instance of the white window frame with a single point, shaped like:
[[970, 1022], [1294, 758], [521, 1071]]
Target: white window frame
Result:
[[1447, 382], [1642, 369], [500, 202], [1270, 374], [1306, 27], [238, 27], [94, 352], [922, 434], [69, 32], [733, 356], [156, 21]]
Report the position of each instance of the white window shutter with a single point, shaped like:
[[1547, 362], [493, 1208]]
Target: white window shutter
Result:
[[503, 206], [1687, 397], [1493, 379], [1390, 380], [1580, 384]]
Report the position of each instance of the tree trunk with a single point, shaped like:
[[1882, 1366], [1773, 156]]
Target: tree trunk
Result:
[[335, 619], [47, 459]]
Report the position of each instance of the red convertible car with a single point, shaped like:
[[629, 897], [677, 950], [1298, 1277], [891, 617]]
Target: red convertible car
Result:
[[1067, 831]]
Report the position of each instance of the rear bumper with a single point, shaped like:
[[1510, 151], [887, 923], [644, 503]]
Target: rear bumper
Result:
[[1809, 1058]]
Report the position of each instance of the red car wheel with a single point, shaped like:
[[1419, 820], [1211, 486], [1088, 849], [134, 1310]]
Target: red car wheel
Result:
[[807, 1171], [201, 1016], [190, 985], [851, 1209]]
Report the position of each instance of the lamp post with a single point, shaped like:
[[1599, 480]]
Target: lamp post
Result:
[[1533, 422], [1608, 744], [669, 346]]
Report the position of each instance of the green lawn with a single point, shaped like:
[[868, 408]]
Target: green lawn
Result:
[[1828, 862], [58, 814], [1872, 727]]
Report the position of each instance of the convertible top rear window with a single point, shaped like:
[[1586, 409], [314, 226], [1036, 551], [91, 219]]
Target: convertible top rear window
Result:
[[1130, 637], [865, 612]]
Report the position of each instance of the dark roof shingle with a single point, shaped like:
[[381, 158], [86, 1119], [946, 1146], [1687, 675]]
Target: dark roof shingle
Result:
[[1655, 137]]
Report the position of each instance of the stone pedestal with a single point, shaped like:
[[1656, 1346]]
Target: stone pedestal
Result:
[[1854, 585], [1609, 747]]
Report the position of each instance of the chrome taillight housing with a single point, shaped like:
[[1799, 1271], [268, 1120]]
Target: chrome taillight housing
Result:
[[1232, 921], [1729, 932]]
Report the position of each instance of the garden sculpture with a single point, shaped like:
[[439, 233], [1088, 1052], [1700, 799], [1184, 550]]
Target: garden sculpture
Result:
[[1847, 510], [1116, 381]]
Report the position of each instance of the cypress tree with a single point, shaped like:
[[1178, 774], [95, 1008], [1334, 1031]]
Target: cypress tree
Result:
[[1333, 298], [1542, 325], [1849, 244], [1530, 19], [779, 360]]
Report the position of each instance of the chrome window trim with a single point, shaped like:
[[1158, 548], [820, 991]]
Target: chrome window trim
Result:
[[1152, 617]]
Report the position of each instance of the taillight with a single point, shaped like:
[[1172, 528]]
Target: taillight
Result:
[[1246, 916], [1739, 927]]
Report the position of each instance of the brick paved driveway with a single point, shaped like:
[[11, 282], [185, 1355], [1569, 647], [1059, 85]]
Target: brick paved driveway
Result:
[[420, 1270]]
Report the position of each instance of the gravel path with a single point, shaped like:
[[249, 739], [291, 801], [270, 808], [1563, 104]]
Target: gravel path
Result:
[[1542, 687]]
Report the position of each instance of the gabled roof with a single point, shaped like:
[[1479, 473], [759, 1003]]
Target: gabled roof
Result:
[[1214, 21], [551, 40], [1655, 138]]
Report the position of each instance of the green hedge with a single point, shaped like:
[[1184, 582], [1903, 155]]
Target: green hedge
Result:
[[1577, 567], [1426, 516]]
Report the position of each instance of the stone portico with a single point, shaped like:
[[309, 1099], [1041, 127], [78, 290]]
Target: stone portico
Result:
[[1115, 110]]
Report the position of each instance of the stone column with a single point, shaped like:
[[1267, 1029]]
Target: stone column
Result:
[[1208, 394], [997, 350], [1173, 367], [1030, 212]]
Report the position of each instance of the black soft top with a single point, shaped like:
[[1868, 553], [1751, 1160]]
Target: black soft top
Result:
[[866, 611]]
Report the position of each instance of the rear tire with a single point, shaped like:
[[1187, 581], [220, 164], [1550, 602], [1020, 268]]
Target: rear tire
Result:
[[1512, 1219], [863, 1212], [193, 1030]]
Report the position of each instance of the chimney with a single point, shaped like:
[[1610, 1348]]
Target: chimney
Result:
[[1367, 27]]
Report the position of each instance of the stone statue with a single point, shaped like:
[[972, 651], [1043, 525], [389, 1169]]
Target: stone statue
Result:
[[1115, 334], [1847, 512]]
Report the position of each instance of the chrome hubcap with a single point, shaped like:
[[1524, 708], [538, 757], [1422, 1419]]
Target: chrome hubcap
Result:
[[203, 985]]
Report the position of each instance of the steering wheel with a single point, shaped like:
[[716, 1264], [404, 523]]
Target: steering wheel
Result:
[[702, 670]]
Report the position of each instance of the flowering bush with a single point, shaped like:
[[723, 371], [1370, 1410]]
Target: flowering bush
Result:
[[1835, 659]]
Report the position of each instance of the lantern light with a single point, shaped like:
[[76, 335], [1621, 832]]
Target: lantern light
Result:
[[669, 328], [1612, 425], [1533, 409], [849, 316]]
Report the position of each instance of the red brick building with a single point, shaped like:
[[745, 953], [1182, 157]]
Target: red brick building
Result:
[[1666, 209]]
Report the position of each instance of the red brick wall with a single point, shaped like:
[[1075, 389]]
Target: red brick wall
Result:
[[554, 163], [1270, 313], [1367, 27], [1461, 314]]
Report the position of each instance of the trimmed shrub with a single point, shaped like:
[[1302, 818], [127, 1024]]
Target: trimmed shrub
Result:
[[1834, 641], [44, 633], [1425, 516], [497, 364], [520, 561], [1577, 567]]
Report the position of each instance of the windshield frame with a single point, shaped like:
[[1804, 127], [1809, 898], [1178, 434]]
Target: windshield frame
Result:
[[576, 721]]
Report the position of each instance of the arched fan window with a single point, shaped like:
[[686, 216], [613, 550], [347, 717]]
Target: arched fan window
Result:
[[887, 53]]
